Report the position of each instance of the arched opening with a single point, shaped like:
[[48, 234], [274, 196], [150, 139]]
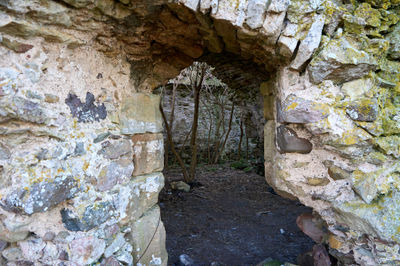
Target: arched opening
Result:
[[226, 213]]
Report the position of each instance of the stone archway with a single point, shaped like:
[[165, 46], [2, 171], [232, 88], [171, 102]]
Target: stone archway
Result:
[[75, 108]]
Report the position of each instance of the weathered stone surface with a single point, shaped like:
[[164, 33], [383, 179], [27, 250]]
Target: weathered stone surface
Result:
[[116, 149], [51, 98], [287, 46], [16, 46], [394, 40], [26, 30], [357, 88], [309, 44], [317, 181], [32, 248], [321, 256], [140, 114], [21, 109], [12, 254], [390, 145], [298, 110], [337, 173], [78, 3], [363, 110], [309, 227], [41, 197], [86, 250], [118, 171], [144, 194], [4, 152], [342, 61], [255, 13], [142, 232], [116, 245], [288, 141], [93, 216], [88, 111], [148, 152], [18, 234]]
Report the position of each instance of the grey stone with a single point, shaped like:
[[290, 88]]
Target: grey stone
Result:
[[49, 236], [33, 95], [309, 44], [5, 153], [78, 3], [22, 109], [101, 137], [42, 154], [298, 110], [86, 250], [12, 254], [255, 13], [93, 216], [3, 245], [116, 245], [41, 197], [116, 172], [394, 40], [341, 60], [363, 110], [32, 248], [116, 149], [288, 141], [111, 261], [79, 149], [278, 6], [18, 234], [88, 111], [185, 260], [180, 185]]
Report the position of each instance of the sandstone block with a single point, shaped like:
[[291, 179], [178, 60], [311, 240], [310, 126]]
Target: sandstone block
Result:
[[118, 171], [140, 113], [148, 153]]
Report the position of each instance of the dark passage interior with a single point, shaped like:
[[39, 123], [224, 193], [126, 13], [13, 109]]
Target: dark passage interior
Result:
[[227, 214]]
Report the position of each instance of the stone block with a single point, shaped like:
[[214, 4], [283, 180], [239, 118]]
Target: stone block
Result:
[[298, 110], [148, 232], [41, 197], [143, 194], [365, 110], [140, 113], [288, 141], [118, 171], [148, 153]]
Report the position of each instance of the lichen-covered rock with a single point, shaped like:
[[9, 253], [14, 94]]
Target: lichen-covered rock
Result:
[[41, 197], [394, 40], [21, 109], [288, 141], [341, 60], [92, 216], [298, 110], [363, 110]]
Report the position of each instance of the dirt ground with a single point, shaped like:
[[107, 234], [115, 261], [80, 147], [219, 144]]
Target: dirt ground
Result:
[[231, 217]]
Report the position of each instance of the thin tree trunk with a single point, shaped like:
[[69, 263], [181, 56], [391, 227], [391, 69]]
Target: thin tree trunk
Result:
[[171, 125], [240, 140], [221, 150], [197, 88], [172, 145]]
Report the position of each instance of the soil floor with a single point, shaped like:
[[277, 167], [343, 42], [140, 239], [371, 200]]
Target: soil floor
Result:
[[230, 217]]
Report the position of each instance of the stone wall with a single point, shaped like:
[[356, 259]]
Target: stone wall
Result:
[[80, 149]]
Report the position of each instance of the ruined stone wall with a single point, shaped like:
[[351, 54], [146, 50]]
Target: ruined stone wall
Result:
[[80, 149]]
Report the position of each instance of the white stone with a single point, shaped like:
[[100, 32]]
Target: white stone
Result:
[[192, 4], [278, 6], [272, 26], [287, 45], [309, 44], [255, 13]]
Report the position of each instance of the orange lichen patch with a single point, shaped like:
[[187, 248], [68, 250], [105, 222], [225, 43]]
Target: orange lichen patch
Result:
[[334, 242]]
